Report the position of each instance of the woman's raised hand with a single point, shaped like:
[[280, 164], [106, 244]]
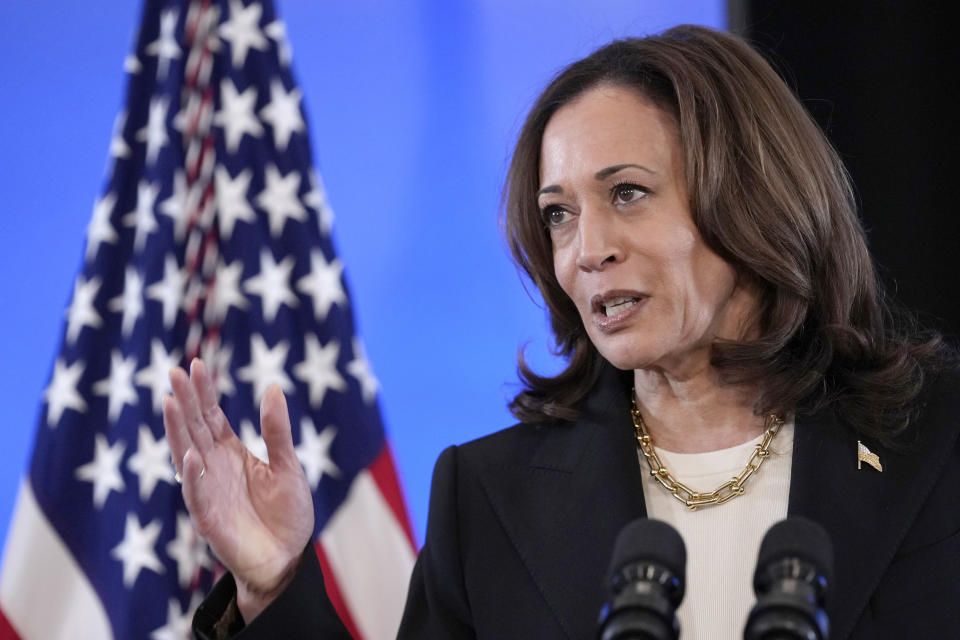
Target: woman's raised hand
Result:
[[257, 517]]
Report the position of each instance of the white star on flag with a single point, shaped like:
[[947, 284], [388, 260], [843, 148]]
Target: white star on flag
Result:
[[318, 369], [156, 376], [118, 144], [168, 291], [283, 113], [130, 302], [155, 133], [232, 203], [277, 31], [179, 620], [360, 369], [226, 292], [242, 31], [142, 217], [266, 367], [136, 550], [81, 312], [188, 550], [62, 392], [151, 462], [272, 284], [104, 470], [279, 199], [314, 452], [323, 283], [236, 115], [100, 229], [165, 47], [177, 205], [187, 116], [131, 64], [316, 199], [118, 386]]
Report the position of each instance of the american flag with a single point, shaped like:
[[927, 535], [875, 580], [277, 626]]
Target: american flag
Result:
[[211, 238]]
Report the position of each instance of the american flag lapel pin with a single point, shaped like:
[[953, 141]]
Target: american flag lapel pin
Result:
[[865, 455]]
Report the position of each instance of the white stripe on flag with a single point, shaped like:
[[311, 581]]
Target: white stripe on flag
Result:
[[43, 592], [371, 558]]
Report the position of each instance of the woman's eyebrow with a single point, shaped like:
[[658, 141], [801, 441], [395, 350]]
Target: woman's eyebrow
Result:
[[609, 171], [599, 175], [553, 188]]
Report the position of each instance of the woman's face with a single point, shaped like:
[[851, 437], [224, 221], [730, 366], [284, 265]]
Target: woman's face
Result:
[[613, 193]]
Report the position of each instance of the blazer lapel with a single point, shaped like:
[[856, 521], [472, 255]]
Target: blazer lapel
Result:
[[866, 513], [565, 505]]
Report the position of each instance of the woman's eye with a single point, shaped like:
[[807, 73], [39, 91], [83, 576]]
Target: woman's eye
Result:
[[627, 193], [555, 216]]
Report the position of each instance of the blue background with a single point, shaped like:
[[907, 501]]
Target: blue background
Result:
[[413, 108]]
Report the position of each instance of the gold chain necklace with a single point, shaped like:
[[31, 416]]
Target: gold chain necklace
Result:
[[694, 499]]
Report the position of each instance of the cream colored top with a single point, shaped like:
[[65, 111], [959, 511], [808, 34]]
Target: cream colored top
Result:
[[723, 540]]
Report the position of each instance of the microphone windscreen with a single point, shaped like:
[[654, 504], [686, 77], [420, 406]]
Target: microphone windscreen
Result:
[[649, 540], [798, 537]]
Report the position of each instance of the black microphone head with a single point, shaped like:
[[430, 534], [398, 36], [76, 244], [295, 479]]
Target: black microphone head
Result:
[[648, 540], [646, 583], [793, 576], [801, 538]]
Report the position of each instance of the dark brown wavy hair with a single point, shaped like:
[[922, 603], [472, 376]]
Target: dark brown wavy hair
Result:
[[771, 197]]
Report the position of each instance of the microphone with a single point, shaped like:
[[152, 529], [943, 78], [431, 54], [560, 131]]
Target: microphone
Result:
[[792, 580], [646, 583]]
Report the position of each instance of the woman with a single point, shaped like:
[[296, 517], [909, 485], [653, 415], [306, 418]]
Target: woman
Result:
[[695, 239]]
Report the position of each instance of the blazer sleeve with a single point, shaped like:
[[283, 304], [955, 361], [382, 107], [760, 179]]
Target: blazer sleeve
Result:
[[437, 605], [302, 610]]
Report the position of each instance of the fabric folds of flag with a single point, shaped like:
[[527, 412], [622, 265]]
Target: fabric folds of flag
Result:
[[211, 238]]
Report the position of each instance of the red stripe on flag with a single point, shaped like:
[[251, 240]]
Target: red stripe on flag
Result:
[[384, 473], [6, 629], [333, 593]]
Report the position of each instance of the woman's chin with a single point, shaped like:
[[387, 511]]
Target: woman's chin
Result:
[[627, 359]]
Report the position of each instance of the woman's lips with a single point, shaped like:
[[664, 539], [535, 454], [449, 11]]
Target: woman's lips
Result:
[[614, 309]]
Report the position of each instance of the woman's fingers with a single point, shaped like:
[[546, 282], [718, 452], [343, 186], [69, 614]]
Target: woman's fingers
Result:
[[189, 404], [177, 435], [275, 428], [207, 396]]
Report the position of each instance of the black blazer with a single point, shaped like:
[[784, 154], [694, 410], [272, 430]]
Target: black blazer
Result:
[[522, 524]]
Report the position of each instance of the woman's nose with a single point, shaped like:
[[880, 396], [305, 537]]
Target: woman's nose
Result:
[[599, 242]]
